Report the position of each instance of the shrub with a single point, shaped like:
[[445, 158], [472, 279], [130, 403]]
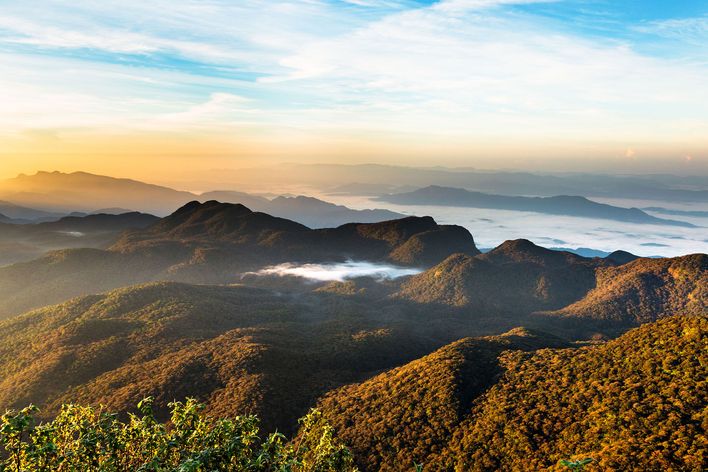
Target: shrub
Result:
[[82, 438]]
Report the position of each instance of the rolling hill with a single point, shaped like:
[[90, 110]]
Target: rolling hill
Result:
[[519, 278], [644, 290], [516, 277], [410, 413]]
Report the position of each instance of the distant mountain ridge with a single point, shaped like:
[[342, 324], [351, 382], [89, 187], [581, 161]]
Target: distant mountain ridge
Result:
[[63, 193], [309, 211], [557, 205], [331, 177], [30, 240], [20, 214]]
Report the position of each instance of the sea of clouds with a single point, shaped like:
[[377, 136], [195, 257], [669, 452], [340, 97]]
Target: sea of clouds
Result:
[[491, 227]]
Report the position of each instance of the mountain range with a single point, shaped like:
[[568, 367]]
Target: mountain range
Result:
[[216, 242], [368, 179], [556, 205], [496, 361]]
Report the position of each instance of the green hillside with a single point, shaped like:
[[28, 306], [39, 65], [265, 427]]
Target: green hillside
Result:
[[635, 403]]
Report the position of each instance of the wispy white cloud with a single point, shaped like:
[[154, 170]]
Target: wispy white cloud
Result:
[[691, 30], [338, 271], [465, 68], [466, 5]]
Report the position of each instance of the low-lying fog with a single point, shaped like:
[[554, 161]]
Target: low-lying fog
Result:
[[491, 227], [339, 271]]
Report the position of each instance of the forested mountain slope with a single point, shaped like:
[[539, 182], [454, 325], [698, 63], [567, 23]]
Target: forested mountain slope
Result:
[[646, 289], [635, 403], [519, 278], [516, 277], [410, 413]]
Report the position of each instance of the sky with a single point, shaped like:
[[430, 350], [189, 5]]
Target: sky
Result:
[[137, 88]]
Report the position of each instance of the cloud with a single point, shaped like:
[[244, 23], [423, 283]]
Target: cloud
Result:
[[218, 108], [690, 30], [465, 5], [471, 70], [338, 271]]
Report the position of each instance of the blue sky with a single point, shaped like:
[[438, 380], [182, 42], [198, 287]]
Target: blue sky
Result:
[[449, 82]]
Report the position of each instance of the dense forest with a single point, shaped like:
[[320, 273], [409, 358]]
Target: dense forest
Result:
[[634, 403]]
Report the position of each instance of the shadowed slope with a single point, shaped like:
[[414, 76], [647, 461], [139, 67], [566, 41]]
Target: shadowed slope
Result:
[[24, 242], [238, 349]]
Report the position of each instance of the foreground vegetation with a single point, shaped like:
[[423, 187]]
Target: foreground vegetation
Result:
[[81, 438]]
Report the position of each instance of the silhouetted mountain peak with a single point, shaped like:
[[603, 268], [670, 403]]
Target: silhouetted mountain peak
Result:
[[209, 209], [216, 220], [621, 257], [518, 250], [396, 231]]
